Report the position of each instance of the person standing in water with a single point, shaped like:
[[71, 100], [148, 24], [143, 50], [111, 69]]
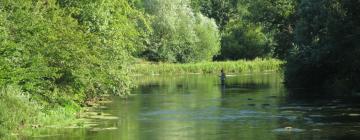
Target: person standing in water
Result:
[[222, 77]]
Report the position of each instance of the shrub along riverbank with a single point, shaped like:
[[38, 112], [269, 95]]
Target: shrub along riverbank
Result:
[[19, 110], [19, 114], [241, 66], [57, 55]]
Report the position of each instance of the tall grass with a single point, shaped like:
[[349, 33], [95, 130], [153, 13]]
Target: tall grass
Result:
[[234, 67], [14, 110], [19, 113]]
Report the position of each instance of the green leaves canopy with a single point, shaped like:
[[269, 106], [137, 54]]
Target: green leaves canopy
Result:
[[327, 52], [179, 34], [62, 51]]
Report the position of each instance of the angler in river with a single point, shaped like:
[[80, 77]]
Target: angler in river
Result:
[[222, 77]]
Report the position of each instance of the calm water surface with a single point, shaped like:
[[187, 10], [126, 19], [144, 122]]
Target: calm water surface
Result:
[[197, 107]]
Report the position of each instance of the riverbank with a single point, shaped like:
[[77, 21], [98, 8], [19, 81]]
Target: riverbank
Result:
[[230, 67], [21, 116], [19, 113]]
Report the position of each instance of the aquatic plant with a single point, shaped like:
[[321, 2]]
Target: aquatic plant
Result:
[[241, 66]]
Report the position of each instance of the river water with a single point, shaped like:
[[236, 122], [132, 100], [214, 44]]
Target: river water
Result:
[[197, 107]]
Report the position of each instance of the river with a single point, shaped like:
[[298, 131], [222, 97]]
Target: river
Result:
[[197, 107]]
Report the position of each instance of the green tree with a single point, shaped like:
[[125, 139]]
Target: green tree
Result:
[[208, 43], [220, 10], [43, 46], [242, 41], [278, 18], [179, 33], [327, 52], [119, 32], [61, 51]]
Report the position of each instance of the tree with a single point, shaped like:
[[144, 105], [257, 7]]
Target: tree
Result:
[[119, 32], [179, 33], [62, 51], [220, 10], [278, 18], [43, 51], [243, 41], [327, 53]]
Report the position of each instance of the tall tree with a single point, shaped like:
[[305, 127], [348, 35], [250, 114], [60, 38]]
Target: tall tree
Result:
[[327, 53]]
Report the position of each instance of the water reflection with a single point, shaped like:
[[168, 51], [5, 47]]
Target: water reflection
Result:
[[251, 107]]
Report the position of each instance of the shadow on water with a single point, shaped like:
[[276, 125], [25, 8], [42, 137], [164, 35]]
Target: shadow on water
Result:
[[244, 87], [249, 85]]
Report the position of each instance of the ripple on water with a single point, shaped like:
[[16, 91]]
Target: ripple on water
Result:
[[103, 129], [209, 113], [287, 130]]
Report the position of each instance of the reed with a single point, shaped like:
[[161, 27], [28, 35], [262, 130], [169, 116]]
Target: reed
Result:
[[230, 67]]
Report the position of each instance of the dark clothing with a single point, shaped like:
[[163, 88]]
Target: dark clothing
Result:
[[222, 78]]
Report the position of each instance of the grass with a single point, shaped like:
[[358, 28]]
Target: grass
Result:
[[230, 67], [19, 114], [14, 110]]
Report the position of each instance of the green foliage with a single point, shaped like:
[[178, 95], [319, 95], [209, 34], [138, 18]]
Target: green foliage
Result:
[[278, 18], [275, 18], [242, 41], [327, 53], [249, 29], [59, 54], [208, 43], [220, 10], [18, 113], [44, 56], [70, 52], [115, 38], [14, 109], [179, 34], [235, 67], [63, 52]]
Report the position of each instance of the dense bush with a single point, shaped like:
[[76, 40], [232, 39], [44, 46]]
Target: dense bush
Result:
[[18, 111], [61, 53]]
